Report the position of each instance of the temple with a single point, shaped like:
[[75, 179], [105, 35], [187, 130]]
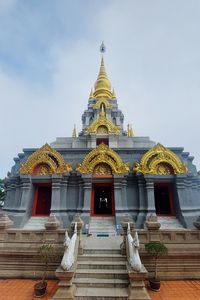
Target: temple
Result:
[[105, 171]]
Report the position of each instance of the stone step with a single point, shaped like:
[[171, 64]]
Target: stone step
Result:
[[116, 265], [100, 282], [101, 273], [169, 223], [102, 251], [36, 223], [84, 293], [102, 257], [102, 225]]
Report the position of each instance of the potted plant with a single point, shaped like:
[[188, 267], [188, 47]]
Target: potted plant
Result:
[[156, 250], [46, 253]]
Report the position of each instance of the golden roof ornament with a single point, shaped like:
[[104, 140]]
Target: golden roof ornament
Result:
[[102, 125], [91, 96], [102, 154], [113, 94], [45, 161], [160, 161], [130, 130], [74, 132], [102, 85]]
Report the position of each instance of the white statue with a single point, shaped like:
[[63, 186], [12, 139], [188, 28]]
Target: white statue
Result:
[[133, 244], [69, 244]]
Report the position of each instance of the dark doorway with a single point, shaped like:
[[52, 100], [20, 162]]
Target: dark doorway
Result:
[[42, 201], [102, 200], [163, 199]]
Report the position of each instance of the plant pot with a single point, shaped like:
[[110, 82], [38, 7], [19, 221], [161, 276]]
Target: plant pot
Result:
[[40, 289], [154, 284]]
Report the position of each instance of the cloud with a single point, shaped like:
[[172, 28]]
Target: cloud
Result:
[[49, 62]]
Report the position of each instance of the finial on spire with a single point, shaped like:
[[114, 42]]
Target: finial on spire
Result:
[[102, 111], [130, 130], [74, 132], [91, 96], [102, 48], [113, 94]]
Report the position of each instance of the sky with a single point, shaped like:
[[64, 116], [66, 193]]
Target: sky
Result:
[[49, 60]]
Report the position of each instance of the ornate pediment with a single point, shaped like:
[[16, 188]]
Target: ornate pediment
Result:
[[161, 161], [44, 161], [97, 160]]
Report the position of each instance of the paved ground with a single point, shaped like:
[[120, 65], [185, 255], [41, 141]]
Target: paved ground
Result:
[[22, 289]]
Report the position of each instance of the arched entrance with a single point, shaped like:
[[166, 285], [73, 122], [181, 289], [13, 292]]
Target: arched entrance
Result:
[[102, 200], [42, 200], [164, 201]]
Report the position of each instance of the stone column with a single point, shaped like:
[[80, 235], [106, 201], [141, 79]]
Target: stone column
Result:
[[183, 203], [142, 201], [87, 193], [55, 196], [80, 195], [150, 195], [63, 195], [26, 193], [120, 198]]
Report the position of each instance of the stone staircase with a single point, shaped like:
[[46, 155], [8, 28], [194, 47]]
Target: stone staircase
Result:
[[102, 226], [35, 223], [101, 273], [169, 223]]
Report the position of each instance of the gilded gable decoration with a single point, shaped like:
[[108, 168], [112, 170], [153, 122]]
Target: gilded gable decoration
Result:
[[44, 161], [98, 158], [161, 161], [102, 122], [101, 101]]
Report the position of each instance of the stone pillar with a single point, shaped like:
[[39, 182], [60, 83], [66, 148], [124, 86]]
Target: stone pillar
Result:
[[153, 227], [63, 195], [55, 196], [26, 193], [136, 289], [142, 202], [5, 222], [150, 195], [80, 195], [87, 194], [183, 203]]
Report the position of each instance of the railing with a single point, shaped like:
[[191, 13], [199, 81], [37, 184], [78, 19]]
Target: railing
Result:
[[133, 246], [69, 254]]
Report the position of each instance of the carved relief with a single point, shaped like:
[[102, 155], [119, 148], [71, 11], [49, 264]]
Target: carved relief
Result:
[[103, 155], [102, 169], [45, 160], [161, 161]]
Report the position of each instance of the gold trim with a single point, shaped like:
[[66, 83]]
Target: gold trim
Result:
[[102, 121], [101, 101], [103, 154], [46, 156], [157, 156]]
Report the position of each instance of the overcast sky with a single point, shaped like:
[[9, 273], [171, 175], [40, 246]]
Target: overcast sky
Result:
[[49, 59]]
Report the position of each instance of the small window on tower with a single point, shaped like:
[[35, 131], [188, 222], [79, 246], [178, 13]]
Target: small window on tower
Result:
[[99, 141]]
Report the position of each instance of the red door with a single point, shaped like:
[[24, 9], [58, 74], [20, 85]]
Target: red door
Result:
[[42, 201]]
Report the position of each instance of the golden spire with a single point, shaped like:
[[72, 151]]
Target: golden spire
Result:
[[74, 132], [102, 112], [91, 96], [102, 85], [129, 131], [113, 94]]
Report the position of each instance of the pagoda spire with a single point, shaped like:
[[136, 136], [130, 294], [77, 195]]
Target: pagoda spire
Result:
[[102, 85], [74, 132]]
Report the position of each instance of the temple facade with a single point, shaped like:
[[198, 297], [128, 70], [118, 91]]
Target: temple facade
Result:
[[104, 171]]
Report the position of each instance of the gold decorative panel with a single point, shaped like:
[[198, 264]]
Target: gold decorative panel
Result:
[[102, 169], [161, 161], [102, 154], [102, 121], [45, 160]]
